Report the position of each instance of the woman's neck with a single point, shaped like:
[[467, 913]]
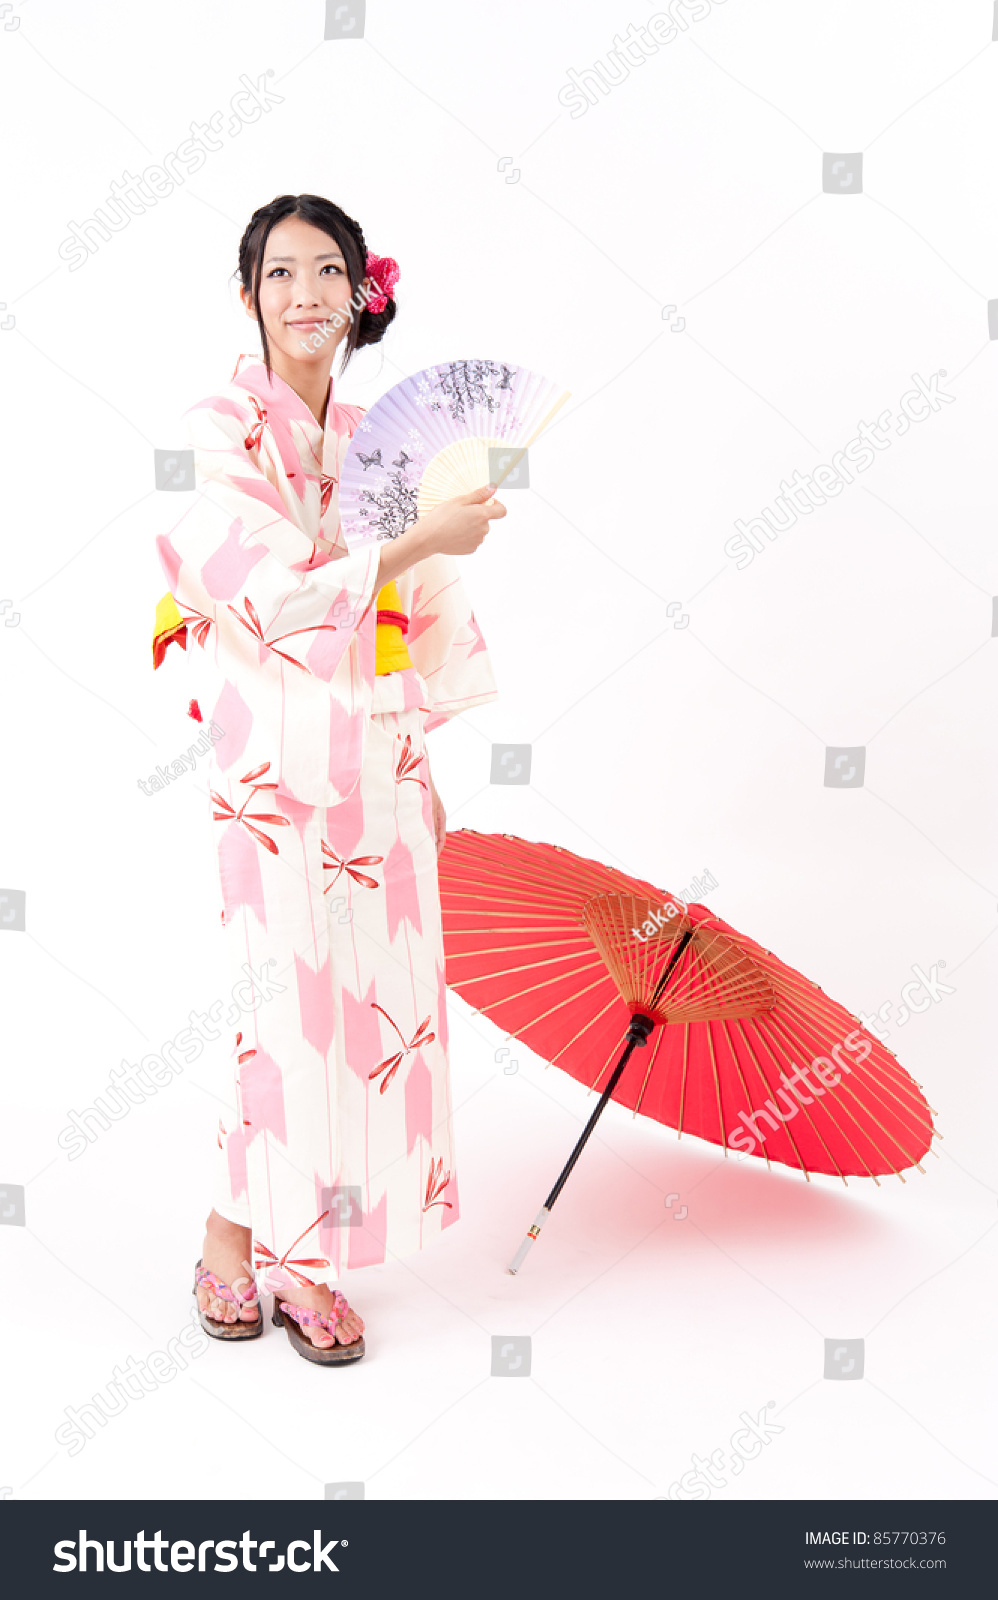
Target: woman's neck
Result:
[[310, 382]]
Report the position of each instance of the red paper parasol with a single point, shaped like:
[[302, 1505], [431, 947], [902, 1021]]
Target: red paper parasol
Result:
[[574, 957]]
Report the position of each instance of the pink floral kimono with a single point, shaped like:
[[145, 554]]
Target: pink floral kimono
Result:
[[339, 1149]]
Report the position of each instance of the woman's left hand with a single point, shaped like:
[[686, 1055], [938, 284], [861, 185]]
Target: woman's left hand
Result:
[[439, 818]]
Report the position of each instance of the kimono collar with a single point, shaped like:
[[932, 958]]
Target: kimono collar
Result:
[[278, 396]]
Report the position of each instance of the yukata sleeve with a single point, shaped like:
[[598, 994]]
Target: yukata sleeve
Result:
[[445, 641], [239, 560]]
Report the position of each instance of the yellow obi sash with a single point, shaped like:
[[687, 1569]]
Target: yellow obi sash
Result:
[[169, 627], [390, 652]]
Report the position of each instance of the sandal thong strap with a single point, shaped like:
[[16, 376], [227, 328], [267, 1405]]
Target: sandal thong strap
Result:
[[221, 1291], [312, 1319]]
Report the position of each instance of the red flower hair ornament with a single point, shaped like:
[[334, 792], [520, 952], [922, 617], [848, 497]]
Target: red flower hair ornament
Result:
[[384, 273]]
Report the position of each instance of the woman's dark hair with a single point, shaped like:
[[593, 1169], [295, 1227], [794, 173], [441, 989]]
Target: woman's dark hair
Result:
[[366, 327]]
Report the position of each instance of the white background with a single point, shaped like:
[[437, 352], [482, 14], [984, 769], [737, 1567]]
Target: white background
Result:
[[696, 183]]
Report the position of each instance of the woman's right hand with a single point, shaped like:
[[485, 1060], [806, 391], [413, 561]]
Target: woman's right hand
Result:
[[457, 527]]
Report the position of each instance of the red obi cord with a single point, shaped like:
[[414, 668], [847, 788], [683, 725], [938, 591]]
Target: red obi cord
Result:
[[396, 619]]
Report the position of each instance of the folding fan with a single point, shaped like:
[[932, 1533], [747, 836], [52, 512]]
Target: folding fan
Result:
[[428, 439]]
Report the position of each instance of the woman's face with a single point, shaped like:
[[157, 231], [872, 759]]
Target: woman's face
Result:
[[303, 285]]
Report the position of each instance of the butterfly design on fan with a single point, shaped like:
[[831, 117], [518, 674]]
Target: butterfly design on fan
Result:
[[373, 460], [402, 460]]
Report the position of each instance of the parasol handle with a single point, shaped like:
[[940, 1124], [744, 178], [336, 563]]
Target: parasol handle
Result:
[[638, 1030], [532, 1233]]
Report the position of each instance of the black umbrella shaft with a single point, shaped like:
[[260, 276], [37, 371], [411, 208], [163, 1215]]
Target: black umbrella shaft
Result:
[[670, 965], [590, 1125], [639, 1032]]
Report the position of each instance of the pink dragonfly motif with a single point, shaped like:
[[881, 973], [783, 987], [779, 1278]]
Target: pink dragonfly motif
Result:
[[266, 1257], [392, 1063], [436, 1183], [226, 813], [349, 867], [255, 434], [407, 764], [254, 627]]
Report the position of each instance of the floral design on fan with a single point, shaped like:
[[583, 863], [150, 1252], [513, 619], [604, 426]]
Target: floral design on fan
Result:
[[266, 1258], [227, 814], [470, 383], [254, 627], [394, 501], [349, 867], [436, 1183], [391, 1064]]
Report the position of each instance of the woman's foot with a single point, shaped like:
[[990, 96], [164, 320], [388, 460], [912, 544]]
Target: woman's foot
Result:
[[320, 1298], [227, 1252]]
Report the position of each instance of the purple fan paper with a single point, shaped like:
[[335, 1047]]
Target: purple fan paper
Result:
[[431, 438]]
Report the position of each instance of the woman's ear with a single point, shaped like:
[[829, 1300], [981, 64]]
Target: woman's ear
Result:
[[247, 300]]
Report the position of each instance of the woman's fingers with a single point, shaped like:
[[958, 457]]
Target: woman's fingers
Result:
[[478, 497], [458, 526]]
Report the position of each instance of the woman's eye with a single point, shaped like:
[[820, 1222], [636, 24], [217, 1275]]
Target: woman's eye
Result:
[[329, 267]]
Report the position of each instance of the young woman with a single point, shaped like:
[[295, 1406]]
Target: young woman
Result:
[[320, 671]]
